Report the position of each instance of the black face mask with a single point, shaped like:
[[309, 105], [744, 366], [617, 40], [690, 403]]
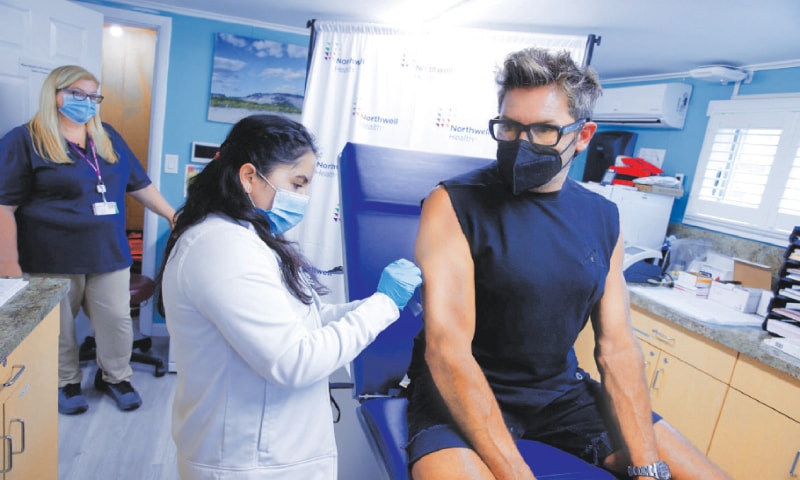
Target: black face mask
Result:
[[525, 166]]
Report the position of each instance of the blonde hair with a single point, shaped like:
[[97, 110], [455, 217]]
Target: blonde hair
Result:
[[43, 127]]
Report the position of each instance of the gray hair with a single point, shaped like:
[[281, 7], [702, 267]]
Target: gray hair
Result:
[[536, 67]]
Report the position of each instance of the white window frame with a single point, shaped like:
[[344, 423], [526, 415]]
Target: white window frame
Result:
[[764, 223]]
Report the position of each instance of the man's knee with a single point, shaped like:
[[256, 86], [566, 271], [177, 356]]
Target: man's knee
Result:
[[451, 463]]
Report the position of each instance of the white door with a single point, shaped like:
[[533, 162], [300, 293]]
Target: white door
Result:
[[37, 36]]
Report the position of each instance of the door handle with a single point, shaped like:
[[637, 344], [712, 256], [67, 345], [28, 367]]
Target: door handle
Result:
[[655, 378], [10, 454], [22, 430], [16, 377], [664, 338]]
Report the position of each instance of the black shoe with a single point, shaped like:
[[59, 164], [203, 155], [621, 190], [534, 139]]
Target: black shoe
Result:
[[123, 393], [70, 399]]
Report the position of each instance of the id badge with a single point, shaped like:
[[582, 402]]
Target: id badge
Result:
[[105, 208]]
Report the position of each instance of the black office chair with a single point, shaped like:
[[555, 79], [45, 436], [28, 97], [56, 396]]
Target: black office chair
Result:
[[142, 289]]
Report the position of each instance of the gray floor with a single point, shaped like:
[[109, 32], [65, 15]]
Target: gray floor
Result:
[[106, 443]]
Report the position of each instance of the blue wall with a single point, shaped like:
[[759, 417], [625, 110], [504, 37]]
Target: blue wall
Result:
[[683, 146], [189, 84]]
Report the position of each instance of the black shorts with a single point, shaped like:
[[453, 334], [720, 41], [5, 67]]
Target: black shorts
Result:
[[574, 423]]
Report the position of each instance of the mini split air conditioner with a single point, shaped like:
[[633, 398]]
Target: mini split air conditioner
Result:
[[662, 105]]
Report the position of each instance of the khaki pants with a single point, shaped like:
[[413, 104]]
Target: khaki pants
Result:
[[105, 298]]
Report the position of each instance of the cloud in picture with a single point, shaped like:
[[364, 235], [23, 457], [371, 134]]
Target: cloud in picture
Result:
[[256, 76]]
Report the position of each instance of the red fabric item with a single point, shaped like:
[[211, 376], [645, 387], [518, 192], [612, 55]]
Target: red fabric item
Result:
[[634, 167]]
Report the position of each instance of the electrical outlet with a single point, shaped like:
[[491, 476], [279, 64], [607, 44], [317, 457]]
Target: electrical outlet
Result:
[[170, 163]]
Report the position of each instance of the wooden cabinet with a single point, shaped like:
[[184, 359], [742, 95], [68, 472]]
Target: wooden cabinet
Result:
[[688, 398], [30, 405], [688, 375], [584, 350], [744, 414], [758, 434]]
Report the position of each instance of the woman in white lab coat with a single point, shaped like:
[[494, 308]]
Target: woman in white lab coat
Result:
[[252, 342]]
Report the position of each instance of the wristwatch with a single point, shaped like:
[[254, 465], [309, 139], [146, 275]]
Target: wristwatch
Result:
[[658, 470]]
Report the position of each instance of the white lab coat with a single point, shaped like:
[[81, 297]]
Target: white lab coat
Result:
[[252, 361]]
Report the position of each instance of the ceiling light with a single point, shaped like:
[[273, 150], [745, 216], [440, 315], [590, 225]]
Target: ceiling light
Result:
[[721, 74], [115, 30]]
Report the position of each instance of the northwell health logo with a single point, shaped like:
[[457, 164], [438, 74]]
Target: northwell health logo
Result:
[[332, 53], [446, 120], [421, 69], [372, 121]]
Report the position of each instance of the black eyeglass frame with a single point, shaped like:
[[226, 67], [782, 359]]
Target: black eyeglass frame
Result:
[[572, 127], [81, 95]]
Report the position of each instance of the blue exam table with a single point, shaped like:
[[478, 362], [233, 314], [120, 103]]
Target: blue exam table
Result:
[[381, 193]]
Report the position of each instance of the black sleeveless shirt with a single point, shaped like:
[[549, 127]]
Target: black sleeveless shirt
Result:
[[541, 262]]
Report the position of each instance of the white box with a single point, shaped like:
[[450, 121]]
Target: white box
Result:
[[741, 299], [763, 303], [694, 283]]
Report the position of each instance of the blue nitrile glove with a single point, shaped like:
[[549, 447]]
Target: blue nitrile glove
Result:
[[399, 280]]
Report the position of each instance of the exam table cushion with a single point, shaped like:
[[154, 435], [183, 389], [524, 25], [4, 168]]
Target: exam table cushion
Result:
[[385, 420]]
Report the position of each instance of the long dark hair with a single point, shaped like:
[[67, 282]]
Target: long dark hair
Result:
[[266, 141]]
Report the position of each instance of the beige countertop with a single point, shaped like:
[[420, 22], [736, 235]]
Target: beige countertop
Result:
[[20, 315], [740, 332]]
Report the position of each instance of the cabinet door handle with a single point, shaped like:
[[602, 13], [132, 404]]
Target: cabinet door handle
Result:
[[655, 378], [10, 448], [662, 337], [22, 430], [641, 332], [16, 377], [792, 472]]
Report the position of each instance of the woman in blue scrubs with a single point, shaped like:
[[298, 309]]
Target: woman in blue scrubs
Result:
[[62, 214]]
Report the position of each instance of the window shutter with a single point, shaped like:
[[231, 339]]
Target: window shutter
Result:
[[747, 180], [739, 165], [790, 203]]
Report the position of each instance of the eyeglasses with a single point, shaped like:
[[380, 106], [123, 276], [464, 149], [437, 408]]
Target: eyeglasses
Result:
[[544, 134], [81, 95]]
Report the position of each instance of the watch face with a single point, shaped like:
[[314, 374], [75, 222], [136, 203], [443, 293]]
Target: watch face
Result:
[[662, 470]]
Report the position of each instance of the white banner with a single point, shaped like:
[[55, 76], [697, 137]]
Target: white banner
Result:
[[431, 91]]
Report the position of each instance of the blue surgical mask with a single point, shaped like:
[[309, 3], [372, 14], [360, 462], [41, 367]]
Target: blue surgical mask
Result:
[[79, 111], [288, 208]]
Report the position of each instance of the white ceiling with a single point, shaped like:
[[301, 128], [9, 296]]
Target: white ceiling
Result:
[[640, 38]]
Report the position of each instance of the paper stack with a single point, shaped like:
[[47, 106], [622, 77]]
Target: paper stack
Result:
[[695, 283], [9, 287], [790, 347]]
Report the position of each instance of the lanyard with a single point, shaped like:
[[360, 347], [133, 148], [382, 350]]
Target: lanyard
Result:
[[93, 164]]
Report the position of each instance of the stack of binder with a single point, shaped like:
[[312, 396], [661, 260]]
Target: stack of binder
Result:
[[783, 314]]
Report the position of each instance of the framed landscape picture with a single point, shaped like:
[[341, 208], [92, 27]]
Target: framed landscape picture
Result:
[[256, 76]]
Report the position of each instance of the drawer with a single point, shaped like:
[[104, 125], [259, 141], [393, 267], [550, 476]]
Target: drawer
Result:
[[703, 354], [41, 345], [767, 385]]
